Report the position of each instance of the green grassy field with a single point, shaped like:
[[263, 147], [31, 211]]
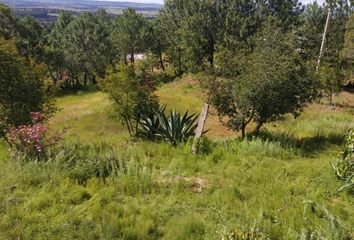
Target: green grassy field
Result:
[[278, 186]]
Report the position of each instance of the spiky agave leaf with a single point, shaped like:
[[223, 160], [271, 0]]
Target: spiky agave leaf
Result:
[[172, 128], [149, 125]]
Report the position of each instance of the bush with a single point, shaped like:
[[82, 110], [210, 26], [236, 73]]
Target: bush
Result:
[[83, 162], [174, 128], [34, 140], [133, 93], [166, 76], [22, 88], [205, 146]]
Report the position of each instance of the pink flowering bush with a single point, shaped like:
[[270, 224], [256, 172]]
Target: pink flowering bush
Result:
[[34, 139]]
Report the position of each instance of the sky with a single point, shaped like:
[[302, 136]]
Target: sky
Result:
[[161, 1]]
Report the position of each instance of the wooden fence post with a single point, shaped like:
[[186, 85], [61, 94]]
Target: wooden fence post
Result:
[[200, 128]]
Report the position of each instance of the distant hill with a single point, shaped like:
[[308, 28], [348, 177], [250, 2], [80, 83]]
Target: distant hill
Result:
[[78, 5], [47, 10]]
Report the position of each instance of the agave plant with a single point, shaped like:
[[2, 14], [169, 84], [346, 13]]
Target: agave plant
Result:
[[173, 128], [149, 125]]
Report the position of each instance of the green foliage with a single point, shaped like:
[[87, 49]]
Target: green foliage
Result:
[[347, 53], [254, 186], [177, 128], [205, 146], [157, 41], [265, 84], [186, 228], [132, 92], [30, 39], [153, 193], [339, 229], [7, 22], [34, 140], [344, 167], [80, 49], [173, 128], [312, 30], [22, 88], [83, 162], [331, 80], [197, 30], [130, 31], [145, 190]]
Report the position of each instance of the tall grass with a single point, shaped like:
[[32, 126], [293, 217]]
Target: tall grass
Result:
[[155, 191], [122, 189]]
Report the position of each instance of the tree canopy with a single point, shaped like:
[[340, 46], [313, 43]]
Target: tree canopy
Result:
[[22, 88]]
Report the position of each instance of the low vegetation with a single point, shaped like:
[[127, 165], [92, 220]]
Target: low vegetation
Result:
[[141, 190], [98, 119], [344, 168]]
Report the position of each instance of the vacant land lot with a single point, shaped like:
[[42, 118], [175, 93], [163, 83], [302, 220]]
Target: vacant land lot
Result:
[[277, 186]]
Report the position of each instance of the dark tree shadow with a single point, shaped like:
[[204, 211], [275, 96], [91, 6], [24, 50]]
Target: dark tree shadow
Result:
[[307, 145]]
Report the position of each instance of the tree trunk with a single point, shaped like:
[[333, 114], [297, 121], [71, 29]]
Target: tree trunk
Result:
[[330, 98], [161, 62], [211, 50], [127, 123], [94, 81], [258, 127], [125, 59], [179, 61], [243, 131], [85, 78], [132, 58], [55, 80]]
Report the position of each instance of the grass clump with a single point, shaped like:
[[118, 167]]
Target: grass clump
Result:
[[344, 168], [157, 191], [99, 185]]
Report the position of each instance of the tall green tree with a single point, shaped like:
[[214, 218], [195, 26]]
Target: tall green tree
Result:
[[270, 82], [288, 12], [310, 33], [89, 44], [81, 48], [7, 22], [340, 11], [157, 42], [193, 29], [31, 38], [22, 88], [55, 54], [129, 33], [347, 53], [132, 91], [331, 77]]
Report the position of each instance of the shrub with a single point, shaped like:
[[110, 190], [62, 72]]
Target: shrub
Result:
[[22, 88], [174, 128], [344, 168], [265, 85], [34, 140], [132, 91], [205, 146], [82, 162]]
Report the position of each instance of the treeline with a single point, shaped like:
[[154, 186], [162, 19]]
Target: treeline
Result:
[[189, 35], [259, 56]]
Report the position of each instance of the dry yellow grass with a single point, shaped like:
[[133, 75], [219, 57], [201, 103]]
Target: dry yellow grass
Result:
[[88, 115]]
